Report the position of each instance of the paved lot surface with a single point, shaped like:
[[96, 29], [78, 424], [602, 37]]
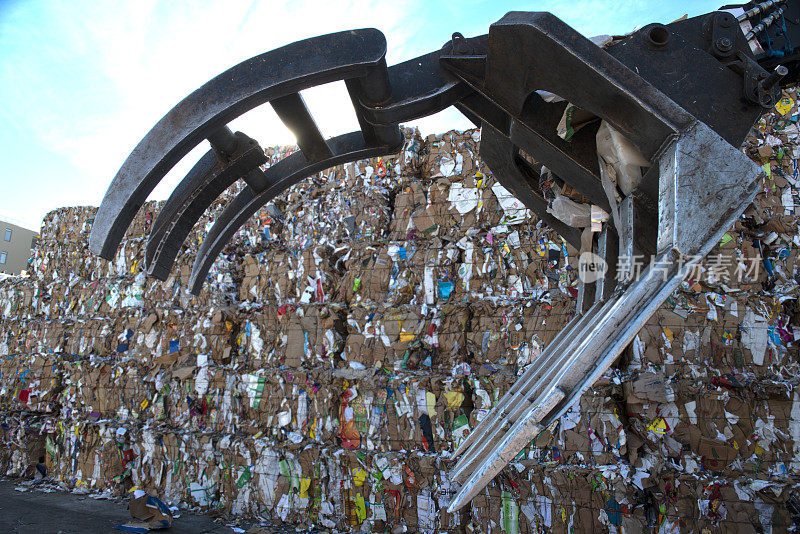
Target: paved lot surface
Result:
[[58, 512]]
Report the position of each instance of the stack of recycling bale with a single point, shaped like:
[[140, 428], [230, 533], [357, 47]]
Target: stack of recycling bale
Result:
[[354, 331]]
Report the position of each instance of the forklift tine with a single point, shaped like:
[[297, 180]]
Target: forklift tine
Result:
[[516, 400]]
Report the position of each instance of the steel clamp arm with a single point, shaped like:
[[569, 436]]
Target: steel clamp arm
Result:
[[275, 76]]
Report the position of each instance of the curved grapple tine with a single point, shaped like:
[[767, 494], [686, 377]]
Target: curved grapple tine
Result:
[[285, 173], [175, 205], [269, 76], [187, 203]]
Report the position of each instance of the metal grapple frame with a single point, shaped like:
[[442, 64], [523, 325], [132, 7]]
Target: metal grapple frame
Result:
[[685, 94]]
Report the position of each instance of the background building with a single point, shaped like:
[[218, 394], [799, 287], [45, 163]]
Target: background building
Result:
[[16, 243]]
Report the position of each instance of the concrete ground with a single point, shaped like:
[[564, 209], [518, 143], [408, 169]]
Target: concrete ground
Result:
[[58, 512]]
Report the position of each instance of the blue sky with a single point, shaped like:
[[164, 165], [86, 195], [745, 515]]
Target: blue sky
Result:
[[81, 82]]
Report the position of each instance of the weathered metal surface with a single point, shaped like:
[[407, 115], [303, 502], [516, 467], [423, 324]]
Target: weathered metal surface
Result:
[[571, 66], [683, 93], [253, 82], [705, 185]]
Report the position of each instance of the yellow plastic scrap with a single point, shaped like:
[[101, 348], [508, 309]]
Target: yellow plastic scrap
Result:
[[431, 401], [784, 105], [312, 429], [359, 476], [406, 336], [454, 399], [668, 334], [305, 483], [659, 426], [361, 507]]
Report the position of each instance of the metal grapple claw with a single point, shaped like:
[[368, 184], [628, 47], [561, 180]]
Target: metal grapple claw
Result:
[[684, 95], [694, 218], [275, 77], [701, 184]]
